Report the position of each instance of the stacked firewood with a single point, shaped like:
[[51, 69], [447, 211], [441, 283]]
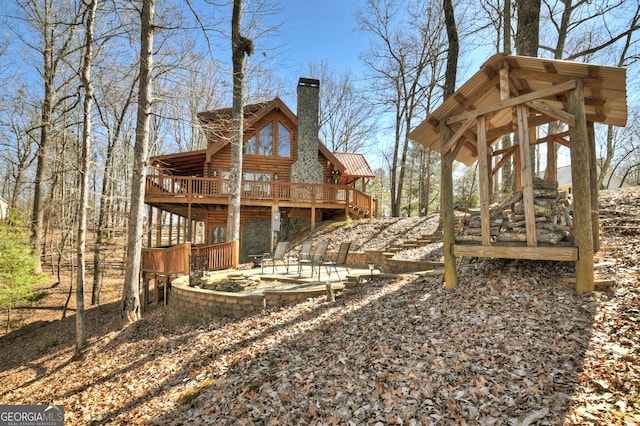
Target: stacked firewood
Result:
[[507, 221]]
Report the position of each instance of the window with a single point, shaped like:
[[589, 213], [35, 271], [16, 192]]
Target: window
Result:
[[250, 145], [264, 142], [284, 141]]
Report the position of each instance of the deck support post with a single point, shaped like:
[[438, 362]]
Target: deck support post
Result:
[[446, 208], [158, 228], [583, 229], [189, 224], [150, 227], [170, 228]]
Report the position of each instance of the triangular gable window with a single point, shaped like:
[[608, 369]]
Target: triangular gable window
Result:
[[269, 141]]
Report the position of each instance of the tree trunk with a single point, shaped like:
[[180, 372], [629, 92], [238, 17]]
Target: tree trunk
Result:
[[240, 46], [528, 35], [85, 76], [527, 40], [130, 310], [452, 52]]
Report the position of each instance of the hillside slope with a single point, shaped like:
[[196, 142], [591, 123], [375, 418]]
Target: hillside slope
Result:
[[512, 345]]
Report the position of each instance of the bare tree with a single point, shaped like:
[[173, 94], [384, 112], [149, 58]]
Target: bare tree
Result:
[[57, 37], [399, 61], [130, 310], [85, 78], [18, 147], [240, 46]]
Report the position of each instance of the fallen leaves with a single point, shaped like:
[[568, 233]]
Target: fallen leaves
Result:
[[512, 345]]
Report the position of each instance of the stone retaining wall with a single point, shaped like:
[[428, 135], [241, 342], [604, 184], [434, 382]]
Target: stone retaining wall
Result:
[[194, 305]]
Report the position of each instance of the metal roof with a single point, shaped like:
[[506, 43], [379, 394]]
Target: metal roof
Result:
[[604, 91], [354, 164]]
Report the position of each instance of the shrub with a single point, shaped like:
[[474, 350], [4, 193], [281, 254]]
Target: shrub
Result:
[[17, 265]]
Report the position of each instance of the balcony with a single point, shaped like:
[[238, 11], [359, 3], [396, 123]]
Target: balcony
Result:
[[169, 189]]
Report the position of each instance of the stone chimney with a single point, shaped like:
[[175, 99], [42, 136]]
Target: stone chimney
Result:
[[307, 169]]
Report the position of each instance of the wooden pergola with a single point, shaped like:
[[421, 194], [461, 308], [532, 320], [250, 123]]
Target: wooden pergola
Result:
[[516, 94]]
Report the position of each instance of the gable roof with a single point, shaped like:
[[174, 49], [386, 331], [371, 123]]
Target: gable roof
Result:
[[252, 114], [604, 91], [191, 163], [354, 164], [219, 121]]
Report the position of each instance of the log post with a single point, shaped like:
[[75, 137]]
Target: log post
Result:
[[583, 229], [446, 194], [189, 224], [150, 227], [159, 228], [551, 159], [484, 181], [526, 174], [170, 229]]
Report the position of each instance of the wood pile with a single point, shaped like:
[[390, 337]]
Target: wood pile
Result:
[[507, 221], [619, 215]]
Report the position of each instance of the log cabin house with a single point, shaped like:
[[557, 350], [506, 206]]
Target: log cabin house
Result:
[[518, 95], [291, 180]]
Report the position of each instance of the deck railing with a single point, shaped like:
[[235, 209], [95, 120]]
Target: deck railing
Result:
[[166, 260], [217, 189], [217, 256], [177, 259], [162, 264]]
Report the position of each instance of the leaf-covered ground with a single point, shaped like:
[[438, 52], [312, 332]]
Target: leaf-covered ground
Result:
[[514, 344]]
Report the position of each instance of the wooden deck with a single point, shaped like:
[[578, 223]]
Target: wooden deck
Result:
[[185, 189]]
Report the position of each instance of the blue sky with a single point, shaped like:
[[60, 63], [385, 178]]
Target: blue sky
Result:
[[324, 30]]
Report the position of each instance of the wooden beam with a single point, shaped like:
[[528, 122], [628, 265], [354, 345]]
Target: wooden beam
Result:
[[457, 135], [508, 152], [542, 93], [582, 225], [446, 194], [551, 159], [483, 172], [552, 111], [526, 175], [517, 168], [505, 89], [567, 254], [554, 136]]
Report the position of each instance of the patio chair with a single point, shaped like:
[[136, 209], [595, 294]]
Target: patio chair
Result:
[[278, 256], [339, 260], [304, 257], [318, 256]]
